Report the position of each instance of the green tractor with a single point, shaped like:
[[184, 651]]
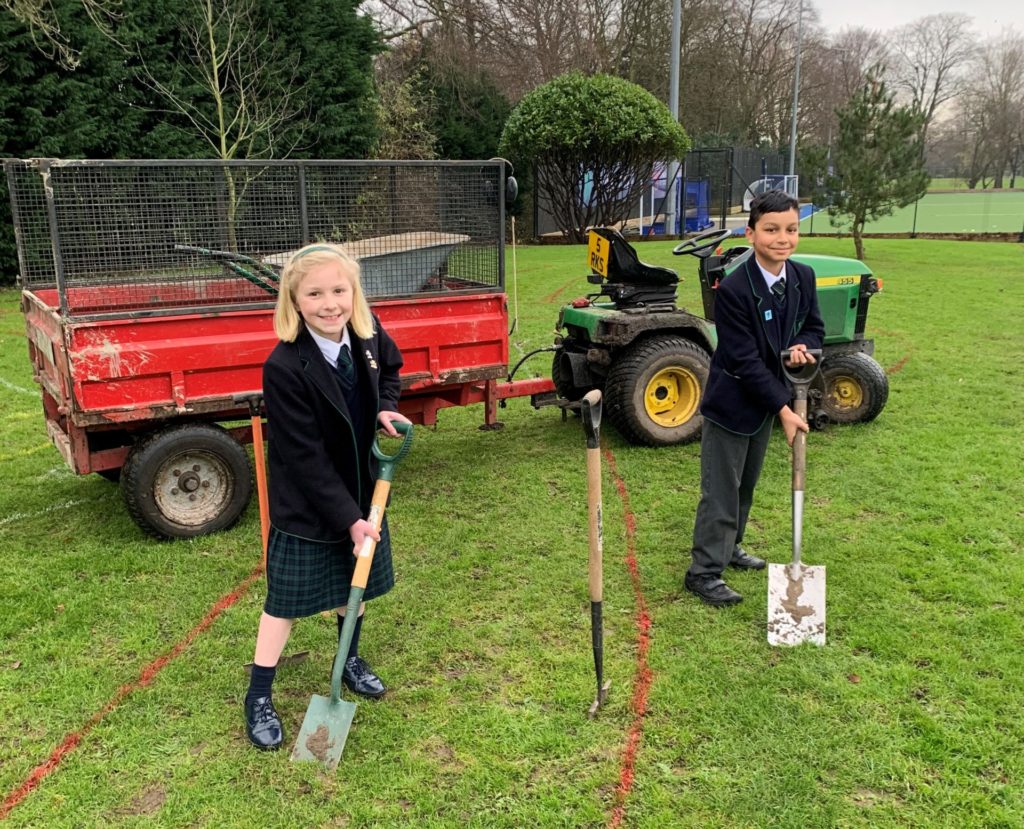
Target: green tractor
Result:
[[651, 358]]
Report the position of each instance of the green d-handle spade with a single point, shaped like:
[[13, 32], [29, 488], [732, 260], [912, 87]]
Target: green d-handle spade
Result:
[[328, 720], [590, 412]]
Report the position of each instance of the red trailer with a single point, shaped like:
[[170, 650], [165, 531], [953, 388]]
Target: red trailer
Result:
[[148, 294]]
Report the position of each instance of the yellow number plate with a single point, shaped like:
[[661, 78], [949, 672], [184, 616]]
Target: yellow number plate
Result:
[[597, 254]]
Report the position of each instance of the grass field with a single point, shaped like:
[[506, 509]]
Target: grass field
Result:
[[120, 656], [961, 184], [967, 212]]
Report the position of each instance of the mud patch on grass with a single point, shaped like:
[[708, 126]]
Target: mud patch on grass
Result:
[[147, 802], [896, 367]]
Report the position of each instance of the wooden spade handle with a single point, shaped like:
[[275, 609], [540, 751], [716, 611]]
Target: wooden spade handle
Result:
[[800, 444], [261, 483], [596, 530], [364, 557], [590, 410]]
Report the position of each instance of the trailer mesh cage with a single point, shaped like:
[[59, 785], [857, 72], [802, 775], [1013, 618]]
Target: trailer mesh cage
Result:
[[123, 238]]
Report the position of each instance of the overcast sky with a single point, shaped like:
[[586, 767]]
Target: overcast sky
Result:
[[990, 16]]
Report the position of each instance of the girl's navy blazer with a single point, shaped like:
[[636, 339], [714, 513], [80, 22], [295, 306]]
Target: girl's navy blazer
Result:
[[316, 489], [745, 385]]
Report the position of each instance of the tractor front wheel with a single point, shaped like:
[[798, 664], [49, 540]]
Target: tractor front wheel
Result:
[[855, 388], [653, 391], [186, 480]]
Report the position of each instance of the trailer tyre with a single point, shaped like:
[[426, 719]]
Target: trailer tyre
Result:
[[653, 391], [186, 480], [855, 388]]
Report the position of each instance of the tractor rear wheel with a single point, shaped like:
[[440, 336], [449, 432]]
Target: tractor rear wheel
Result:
[[653, 391], [186, 480], [855, 388]]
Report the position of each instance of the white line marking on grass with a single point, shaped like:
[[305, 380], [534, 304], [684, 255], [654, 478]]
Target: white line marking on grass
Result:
[[7, 384], [25, 452], [21, 516]]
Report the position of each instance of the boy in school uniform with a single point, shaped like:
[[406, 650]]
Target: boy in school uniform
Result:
[[763, 307]]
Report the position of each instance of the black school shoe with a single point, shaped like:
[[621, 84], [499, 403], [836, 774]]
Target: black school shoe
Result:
[[742, 560], [359, 679], [712, 590], [263, 725]]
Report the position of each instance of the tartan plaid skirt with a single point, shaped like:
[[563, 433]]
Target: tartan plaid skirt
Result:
[[306, 577]]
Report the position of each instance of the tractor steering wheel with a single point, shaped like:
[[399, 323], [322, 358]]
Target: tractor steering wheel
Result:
[[703, 244]]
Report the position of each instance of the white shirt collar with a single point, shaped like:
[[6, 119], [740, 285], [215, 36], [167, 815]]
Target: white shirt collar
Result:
[[769, 278], [329, 348]]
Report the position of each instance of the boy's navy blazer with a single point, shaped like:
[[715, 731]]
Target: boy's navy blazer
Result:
[[745, 385], [315, 486]]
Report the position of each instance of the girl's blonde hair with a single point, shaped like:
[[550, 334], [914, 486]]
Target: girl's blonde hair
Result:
[[287, 319]]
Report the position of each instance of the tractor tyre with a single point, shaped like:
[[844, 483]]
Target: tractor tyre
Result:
[[653, 391], [855, 388], [186, 480]]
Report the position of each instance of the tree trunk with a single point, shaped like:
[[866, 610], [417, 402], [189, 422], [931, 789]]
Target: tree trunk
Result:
[[858, 238]]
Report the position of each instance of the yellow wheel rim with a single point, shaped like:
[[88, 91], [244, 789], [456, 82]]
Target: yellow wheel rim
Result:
[[672, 396], [846, 393]]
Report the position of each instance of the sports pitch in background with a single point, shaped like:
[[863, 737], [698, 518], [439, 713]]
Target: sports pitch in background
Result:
[[983, 212]]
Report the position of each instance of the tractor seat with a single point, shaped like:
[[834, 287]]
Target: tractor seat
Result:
[[625, 266]]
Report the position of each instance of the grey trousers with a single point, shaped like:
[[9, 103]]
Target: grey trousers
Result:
[[730, 465]]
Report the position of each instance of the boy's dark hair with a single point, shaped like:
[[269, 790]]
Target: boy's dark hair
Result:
[[771, 201]]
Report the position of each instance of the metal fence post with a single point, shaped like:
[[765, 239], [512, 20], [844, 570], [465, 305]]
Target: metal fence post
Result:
[[51, 215], [303, 214]]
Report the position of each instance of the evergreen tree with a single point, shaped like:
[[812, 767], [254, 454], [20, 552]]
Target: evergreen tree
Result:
[[469, 113], [593, 142], [878, 159], [335, 45]]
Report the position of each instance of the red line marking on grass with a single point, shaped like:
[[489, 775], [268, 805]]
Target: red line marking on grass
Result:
[[145, 677], [895, 367], [554, 294], [643, 672]]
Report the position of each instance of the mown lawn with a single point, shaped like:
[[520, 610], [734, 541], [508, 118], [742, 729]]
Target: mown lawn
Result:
[[963, 211], [909, 716]]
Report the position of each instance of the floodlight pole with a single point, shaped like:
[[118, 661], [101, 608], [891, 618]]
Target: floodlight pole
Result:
[[796, 89], [673, 105]]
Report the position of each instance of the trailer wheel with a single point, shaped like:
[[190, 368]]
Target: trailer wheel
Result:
[[186, 480], [855, 388], [653, 391]]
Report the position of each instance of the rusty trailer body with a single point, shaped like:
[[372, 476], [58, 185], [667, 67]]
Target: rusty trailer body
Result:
[[142, 346]]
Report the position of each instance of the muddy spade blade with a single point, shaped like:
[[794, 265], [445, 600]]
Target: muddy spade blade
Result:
[[324, 731], [796, 592], [329, 719], [796, 606]]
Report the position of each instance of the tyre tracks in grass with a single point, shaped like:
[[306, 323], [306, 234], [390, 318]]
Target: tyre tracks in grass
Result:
[[144, 678]]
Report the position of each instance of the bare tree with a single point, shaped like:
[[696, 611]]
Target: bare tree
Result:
[[857, 51], [928, 59], [996, 96], [42, 21], [985, 135], [251, 101]]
